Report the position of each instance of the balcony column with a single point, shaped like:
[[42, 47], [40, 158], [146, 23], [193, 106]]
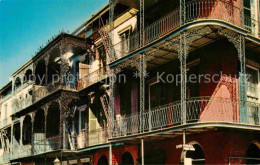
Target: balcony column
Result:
[[45, 108], [46, 68], [32, 138], [12, 134], [112, 4], [142, 151], [21, 130], [182, 12], [182, 55], [142, 75], [141, 22], [239, 42], [110, 154], [112, 81], [242, 81]]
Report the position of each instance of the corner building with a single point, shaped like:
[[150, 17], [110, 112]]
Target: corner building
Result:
[[141, 82]]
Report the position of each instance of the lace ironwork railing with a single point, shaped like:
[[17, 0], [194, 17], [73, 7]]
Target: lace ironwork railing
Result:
[[4, 159], [92, 78], [92, 138], [19, 104], [43, 91], [199, 110], [194, 10], [21, 151], [42, 144]]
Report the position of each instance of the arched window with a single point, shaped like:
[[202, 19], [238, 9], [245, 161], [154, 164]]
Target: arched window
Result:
[[253, 154], [196, 157], [102, 160], [127, 159], [17, 83], [27, 130], [28, 76], [39, 124], [54, 66], [40, 73], [53, 120]]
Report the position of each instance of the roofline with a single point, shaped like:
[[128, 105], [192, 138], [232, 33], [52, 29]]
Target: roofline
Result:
[[5, 86], [22, 67], [90, 20]]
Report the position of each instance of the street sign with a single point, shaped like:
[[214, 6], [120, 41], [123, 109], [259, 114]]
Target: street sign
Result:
[[186, 147]]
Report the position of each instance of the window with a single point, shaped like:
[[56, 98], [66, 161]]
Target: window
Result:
[[102, 57], [157, 94], [125, 42], [247, 14], [125, 99], [252, 82], [5, 111]]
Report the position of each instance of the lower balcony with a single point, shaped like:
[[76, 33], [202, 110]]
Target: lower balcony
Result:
[[21, 151], [42, 145], [198, 110], [92, 138], [92, 78], [5, 159]]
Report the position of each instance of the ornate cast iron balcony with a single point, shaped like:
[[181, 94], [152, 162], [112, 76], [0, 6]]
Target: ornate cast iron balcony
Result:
[[195, 10], [92, 138], [43, 91], [199, 110], [92, 78]]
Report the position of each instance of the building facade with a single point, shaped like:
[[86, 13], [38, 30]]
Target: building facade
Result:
[[141, 82]]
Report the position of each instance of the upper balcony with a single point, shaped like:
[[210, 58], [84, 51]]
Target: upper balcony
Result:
[[201, 110], [214, 12], [92, 78]]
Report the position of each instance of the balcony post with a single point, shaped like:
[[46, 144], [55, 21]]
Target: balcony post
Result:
[[112, 4], [182, 55], [242, 83], [110, 154], [63, 65], [32, 138], [142, 151], [141, 22], [12, 140], [46, 69], [142, 72], [111, 102], [64, 135], [182, 12], [239, 42], [21, 130], [45, 125]]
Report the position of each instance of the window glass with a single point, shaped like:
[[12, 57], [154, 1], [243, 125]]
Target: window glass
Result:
[[252, 82]]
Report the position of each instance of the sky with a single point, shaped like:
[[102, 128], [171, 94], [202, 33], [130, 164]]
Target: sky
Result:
[[25, 25]]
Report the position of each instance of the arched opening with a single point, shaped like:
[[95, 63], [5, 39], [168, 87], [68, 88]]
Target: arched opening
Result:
[[155, 156], [196, 157], [53, 120], [27, 130], [28, 76], [17, 134], [253, 154], [127, 159], [39, 124], [17, 83], [102, 160], [54, 66], [40, 73]]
